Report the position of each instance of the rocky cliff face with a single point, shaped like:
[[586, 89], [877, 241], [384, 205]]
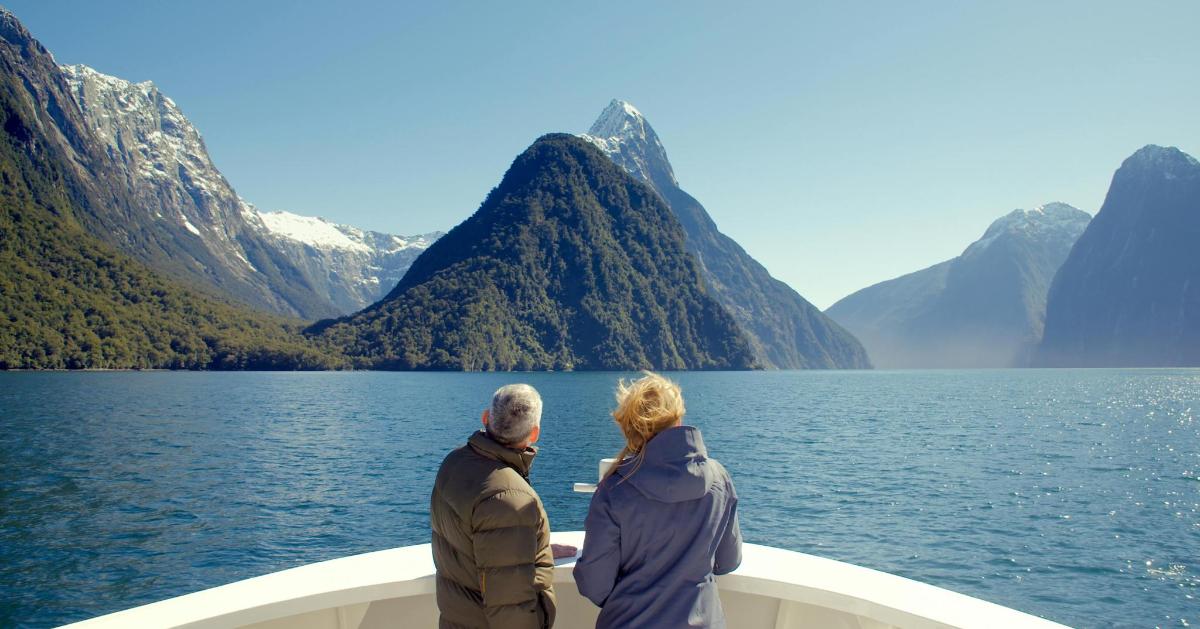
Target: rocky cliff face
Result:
[[985, 308], [162, 154], [177, 213], [278, 261], [569, 264], [1129, 293], [625, 135], [784, 329]]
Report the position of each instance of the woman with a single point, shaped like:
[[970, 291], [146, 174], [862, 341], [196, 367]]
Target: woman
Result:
[[663, 520]]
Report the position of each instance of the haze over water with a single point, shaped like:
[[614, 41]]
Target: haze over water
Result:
[[1071, 494]]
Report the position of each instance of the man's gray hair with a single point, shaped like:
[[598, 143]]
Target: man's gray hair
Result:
[[516, 409]]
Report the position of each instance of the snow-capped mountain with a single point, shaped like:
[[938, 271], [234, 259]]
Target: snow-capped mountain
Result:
[[984, 308], [1055, 225], [622, 132], [784, 330], [147, 133], [182, 216], [272, 261], [354, 267]]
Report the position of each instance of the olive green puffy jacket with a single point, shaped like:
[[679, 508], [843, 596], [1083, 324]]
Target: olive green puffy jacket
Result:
[[491, 540]]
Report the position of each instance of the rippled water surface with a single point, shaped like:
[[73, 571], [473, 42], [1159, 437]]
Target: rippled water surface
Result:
[[1074, 495]]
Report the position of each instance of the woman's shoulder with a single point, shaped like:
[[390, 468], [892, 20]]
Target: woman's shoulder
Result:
[[720, 474], [716, 466], [617, 488], [610, 484]]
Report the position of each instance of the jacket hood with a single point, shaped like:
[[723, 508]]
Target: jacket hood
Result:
[[674, 468]]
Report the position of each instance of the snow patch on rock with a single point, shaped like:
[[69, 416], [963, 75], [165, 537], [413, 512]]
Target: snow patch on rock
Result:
[[1050, 222], [310, 230], [623, 133]]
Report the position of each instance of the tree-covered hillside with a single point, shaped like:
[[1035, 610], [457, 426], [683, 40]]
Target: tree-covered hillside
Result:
[[569, 264], [70, 301]]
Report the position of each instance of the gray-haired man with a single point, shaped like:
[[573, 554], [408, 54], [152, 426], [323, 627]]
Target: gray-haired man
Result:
[[491, 536]]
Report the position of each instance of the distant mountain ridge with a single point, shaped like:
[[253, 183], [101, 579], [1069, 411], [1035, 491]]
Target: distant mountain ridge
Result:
[[279, 261], [784, 329], [985, 308], [1129, 293], [353, 267], [569, 264]]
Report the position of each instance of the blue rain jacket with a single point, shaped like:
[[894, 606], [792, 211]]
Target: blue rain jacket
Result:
[[656, 536]]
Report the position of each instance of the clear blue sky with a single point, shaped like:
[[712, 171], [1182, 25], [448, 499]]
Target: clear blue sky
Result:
[[840, 144]]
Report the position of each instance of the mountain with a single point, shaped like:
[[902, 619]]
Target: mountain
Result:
[[352, 267], [278, 261], [1129, 293], [985, 308], [570, 263], [70, 300], [784, 330], [158, 198]]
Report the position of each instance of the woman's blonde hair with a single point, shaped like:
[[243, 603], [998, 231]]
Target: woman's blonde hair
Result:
[[645, 407]]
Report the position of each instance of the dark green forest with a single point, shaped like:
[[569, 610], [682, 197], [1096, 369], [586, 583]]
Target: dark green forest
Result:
[[71, 303]]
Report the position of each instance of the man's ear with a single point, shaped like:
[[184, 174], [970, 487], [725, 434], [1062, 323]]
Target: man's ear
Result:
[[486, 416], [533, 436]]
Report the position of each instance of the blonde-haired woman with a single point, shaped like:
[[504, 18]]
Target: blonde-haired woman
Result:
[[662, 522]]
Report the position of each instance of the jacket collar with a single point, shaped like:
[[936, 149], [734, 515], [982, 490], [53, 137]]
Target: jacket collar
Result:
[[519, 460]]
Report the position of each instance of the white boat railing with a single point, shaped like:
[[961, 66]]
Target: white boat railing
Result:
[[773, 588]]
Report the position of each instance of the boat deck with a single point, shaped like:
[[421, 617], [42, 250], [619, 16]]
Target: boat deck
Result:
[[773, 589]]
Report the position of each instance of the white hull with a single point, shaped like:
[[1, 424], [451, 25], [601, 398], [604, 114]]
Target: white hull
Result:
[[773, 589]]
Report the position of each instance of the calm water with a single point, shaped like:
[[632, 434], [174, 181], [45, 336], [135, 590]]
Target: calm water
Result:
[[1074, 495]]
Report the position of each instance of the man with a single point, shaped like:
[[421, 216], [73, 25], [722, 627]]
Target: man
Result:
[[491, 536]]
